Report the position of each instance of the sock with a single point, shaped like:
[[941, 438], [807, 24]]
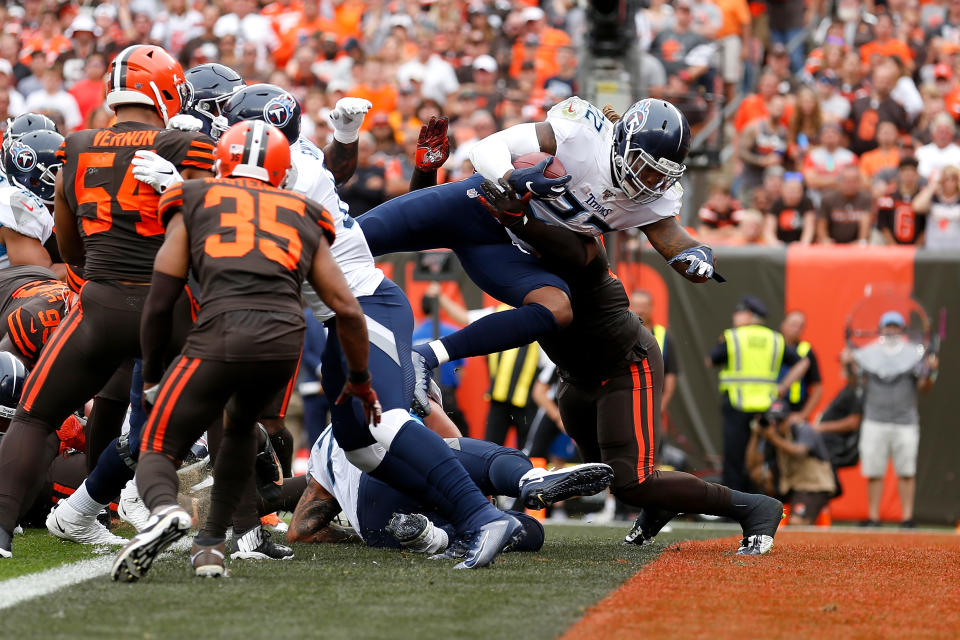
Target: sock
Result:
[[109, 475], [84, 503], [21, 462], [681, 492], [429, 455], [499, 331], [232, 482], [104, 424], [505, 474], [282, 442], [157, 480]]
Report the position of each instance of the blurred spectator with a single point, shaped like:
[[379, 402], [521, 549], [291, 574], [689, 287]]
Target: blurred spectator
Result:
[[15, 102], [897, 220], [683, 51], [481, 124], [5, 107], [833, 106], [824, 163], [778, 61], [793, 216], [804, 125], [10, 52], [176, 25], [564, 83], [885, 156], [940, 201], [734, 38], [367, 187], [751, 231], [548, 40], [53, 97], [754, 106], [641, 303], [787, 20], [246, 25], [894, 371], [432, 328], [845, 213], [884, 44], [384, 136], [868, 111], [942, 151], [770, 191], [804, 395], [46, 39], [762, 144], [204, 47], [83, 34], [720, 214], [33, 82], [437, 75], [89, 91], [484, 82]]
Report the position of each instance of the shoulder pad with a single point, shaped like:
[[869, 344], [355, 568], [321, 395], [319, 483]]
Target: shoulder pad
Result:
[[25, 213], [572, 108]]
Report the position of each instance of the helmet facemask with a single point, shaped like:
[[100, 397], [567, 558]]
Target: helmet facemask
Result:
[[641, 176]]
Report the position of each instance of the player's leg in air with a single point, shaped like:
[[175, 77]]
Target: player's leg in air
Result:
[[618, 422], [400, 450], [450, 216]]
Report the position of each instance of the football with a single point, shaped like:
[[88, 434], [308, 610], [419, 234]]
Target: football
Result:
[[554, 170]]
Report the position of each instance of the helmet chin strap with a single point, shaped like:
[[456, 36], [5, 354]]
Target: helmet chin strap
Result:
[[161, 106]]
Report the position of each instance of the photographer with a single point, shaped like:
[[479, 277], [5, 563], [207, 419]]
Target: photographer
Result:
[[805, 474]]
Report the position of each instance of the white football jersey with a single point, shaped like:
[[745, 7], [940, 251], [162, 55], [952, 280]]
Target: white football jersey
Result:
[[24, 213], [349, 249], [594, 204], [328, 465]]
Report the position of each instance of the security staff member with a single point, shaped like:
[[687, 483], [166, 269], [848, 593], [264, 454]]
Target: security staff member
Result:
[[641, 303], [750, 356], [805, 394]]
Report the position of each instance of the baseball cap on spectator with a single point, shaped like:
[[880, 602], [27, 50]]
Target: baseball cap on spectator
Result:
[[83, 22], [753, 305], [485, 63], [942, 72], [532, 14], [105, 10], [401, 20], [892, 318], [778, 49]]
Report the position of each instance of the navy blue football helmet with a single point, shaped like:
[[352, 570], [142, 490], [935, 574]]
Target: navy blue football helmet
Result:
[[31, 162], [650, 143], [211, 85], [12, 376], [266, 102], [25, 123]]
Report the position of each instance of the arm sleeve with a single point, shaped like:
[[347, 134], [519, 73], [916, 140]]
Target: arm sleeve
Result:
[[493, 156]]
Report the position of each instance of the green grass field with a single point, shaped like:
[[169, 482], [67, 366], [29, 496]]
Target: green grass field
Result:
[[344, 591]]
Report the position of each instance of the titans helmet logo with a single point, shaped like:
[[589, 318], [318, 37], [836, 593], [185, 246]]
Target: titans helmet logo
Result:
[[24, 158], [279, 111]]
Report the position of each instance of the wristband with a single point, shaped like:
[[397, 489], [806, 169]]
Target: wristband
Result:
[[359, 377], [346, 137]]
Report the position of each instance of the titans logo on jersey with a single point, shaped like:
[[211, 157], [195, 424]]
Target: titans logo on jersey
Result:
[[593, 204]]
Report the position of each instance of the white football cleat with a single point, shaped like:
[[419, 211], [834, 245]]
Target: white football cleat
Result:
[[130, 507], [167, 525], [67, 523], [756, 545]]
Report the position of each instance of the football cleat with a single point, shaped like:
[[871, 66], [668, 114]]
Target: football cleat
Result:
[[67, 523], [415, 532], [257, 545], [207, 560], [131, 508], [755, 545], [540, 488], [420, 404], [165, 527], [6, 544], [272, 522], [647, 526], [491, 539], [457, 550]]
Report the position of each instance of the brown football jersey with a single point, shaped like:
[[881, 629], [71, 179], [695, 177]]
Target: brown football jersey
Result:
[[116, 213], [32, 304], [251, 244]]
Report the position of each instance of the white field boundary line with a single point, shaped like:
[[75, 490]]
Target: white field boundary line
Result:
[[732, 527], [33, 585]]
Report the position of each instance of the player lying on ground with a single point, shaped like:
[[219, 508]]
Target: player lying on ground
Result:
[[611, 382]]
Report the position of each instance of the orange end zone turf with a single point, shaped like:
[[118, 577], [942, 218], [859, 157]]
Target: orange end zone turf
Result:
[[812, 585]]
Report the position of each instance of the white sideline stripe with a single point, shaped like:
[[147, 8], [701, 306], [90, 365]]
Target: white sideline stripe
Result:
[[33, 585]]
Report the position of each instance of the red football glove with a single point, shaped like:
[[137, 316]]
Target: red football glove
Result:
[[365, 393], [503, 202], [433, 147], [71, 434]]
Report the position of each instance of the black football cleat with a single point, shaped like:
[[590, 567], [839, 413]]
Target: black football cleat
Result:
[[490, 541], [759, 524], [647, 526], [420, 403], [257, 545], [543, 488]]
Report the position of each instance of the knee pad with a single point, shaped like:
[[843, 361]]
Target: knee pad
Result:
[[366, 458], [390, 423]]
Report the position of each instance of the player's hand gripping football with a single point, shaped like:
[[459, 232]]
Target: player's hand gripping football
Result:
[[433, 146], [531, 180], [155, 171], [360, 386], [700, 261], [347, 116], [503, 202]]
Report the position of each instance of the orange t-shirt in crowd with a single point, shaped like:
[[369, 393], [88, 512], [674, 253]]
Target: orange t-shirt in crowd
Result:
[[754, 107], [283, 17], [736, 14], [348, 16], [877, 160], [545, 59], [291, 39], [400, 126], [53, 47], [383, 99], [891, 48]]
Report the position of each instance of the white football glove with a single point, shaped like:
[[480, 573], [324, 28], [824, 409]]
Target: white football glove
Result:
[[185, 122], [155, 171], [347, 116]]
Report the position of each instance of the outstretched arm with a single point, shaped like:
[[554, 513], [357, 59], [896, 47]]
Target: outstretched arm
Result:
[[313, 517], [674, 243], [340, 155]]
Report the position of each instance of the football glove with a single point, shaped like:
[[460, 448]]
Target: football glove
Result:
[[364, 392], [150, 397], [347, 116], [185, 122], [531, 180], [700, 261], [503, 202], [433, 146], [155, 171]]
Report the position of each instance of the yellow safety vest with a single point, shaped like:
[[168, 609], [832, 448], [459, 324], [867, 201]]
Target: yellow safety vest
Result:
[[754, 354], [660, 333], [802, 350], [510, 383]]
